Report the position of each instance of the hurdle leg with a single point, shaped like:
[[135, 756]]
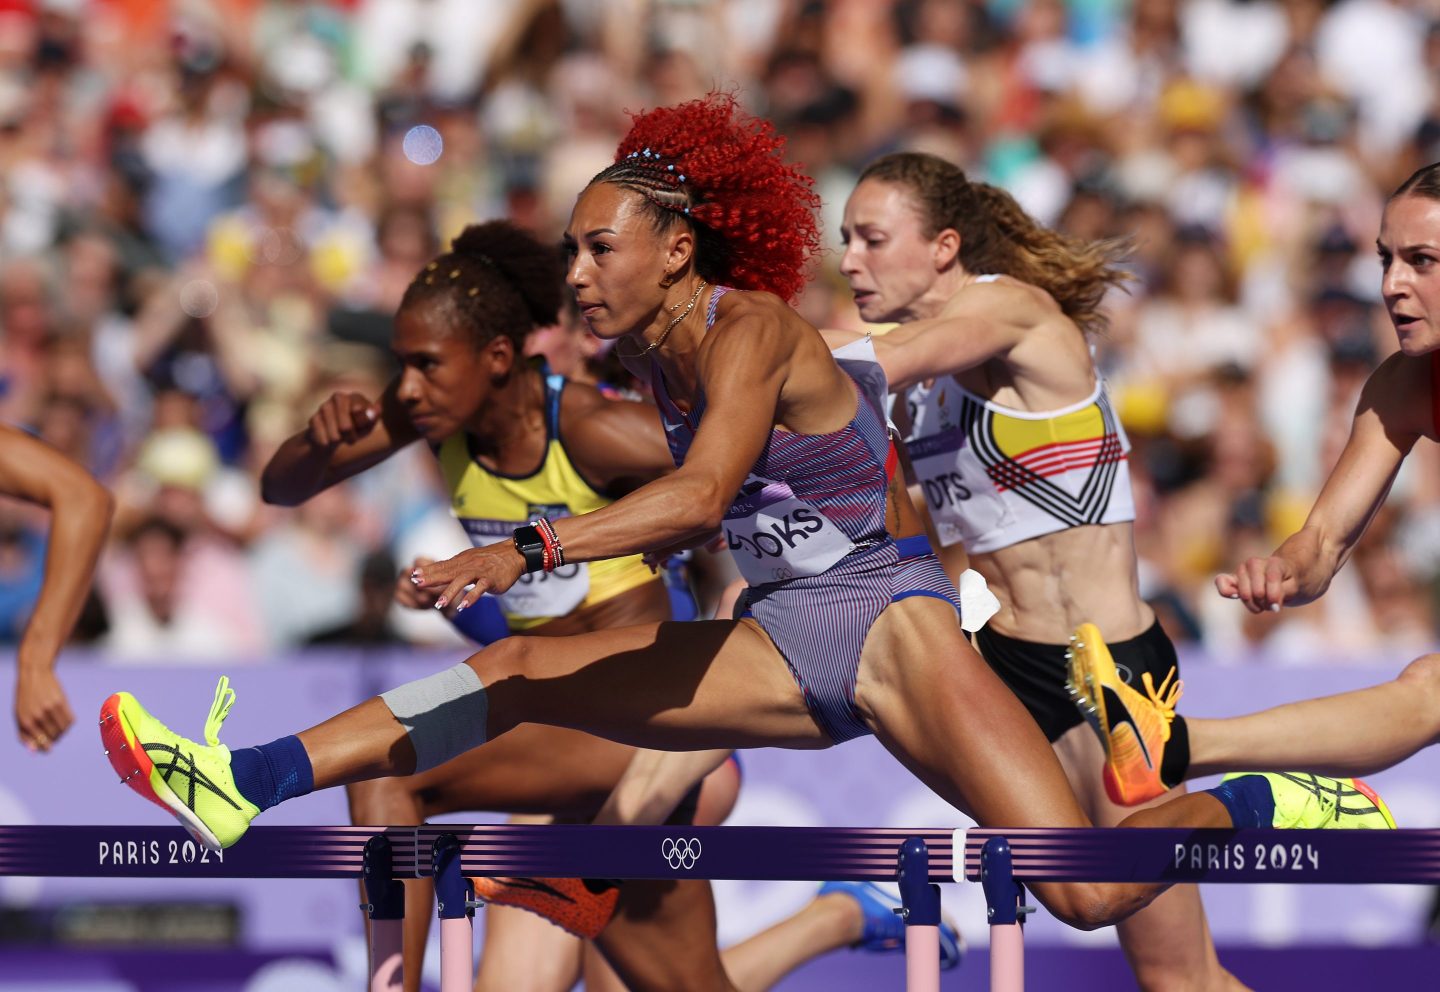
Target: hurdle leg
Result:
[[385, 905], [920, 908], [1004, 898], [454, 893]]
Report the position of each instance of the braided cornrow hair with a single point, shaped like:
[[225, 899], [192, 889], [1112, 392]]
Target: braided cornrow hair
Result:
[[997, 236], [500, 280], [709, 165]]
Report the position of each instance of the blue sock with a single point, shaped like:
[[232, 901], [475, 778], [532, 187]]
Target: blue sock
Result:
[[1248, 799], [272, 773]]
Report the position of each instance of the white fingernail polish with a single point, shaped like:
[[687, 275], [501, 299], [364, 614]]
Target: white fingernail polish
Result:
[[1274, 607]]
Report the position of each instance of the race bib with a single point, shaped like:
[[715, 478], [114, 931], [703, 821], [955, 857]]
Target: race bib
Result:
[[773, 536], [535, 595], [957, 506]]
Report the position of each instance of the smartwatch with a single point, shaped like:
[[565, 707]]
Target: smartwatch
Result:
[[531, 547]]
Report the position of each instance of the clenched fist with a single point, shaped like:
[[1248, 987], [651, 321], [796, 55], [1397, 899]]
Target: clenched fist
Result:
[[343, 419]]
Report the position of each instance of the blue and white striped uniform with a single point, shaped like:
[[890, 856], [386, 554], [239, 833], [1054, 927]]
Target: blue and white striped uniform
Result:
[[807, 530]]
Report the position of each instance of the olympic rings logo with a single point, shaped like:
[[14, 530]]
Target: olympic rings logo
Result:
[[682, 853]]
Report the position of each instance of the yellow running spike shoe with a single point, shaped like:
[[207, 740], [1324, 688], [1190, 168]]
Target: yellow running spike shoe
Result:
[[1316, 802], [192, 781], [581, 906], [1132, 727]]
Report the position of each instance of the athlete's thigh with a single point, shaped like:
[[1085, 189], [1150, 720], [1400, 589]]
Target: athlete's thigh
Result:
[[682, 686], [531, 769], [934, 702], [1168, 942], [599, 976], [940, 709], [522, 952], [662, 938], [719, 791]]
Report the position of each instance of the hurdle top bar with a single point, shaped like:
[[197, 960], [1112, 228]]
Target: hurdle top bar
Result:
[[1226, 856], [563, 850], [755, 853]]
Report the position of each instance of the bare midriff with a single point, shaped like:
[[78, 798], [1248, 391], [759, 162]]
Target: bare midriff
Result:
[[1049, 585]]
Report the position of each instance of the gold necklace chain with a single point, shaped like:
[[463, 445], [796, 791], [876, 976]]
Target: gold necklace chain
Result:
[[674, 321]]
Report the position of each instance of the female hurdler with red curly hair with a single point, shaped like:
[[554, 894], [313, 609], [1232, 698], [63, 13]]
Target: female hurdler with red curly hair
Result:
[[688, 247]]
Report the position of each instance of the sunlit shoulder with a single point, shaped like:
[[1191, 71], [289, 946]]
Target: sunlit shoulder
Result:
[[753, 319], [1398, 391], [1005, 298]]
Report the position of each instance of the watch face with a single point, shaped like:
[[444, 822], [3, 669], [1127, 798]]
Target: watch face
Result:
[[531, 547]]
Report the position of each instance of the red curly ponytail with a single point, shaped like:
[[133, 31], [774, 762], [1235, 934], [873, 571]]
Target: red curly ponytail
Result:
[[709, 164]]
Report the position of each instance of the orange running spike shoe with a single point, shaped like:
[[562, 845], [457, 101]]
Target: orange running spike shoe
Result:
[[1132, 727], [581, 906]]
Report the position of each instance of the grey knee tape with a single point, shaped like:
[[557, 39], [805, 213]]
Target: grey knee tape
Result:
[[444, 714]]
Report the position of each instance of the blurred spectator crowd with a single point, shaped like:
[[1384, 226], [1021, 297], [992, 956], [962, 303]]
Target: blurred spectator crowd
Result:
[[209, 210]]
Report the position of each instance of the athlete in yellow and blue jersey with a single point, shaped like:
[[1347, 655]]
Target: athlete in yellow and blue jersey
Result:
[[491, 503]]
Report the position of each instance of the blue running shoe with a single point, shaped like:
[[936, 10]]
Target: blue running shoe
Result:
[[884, 929]]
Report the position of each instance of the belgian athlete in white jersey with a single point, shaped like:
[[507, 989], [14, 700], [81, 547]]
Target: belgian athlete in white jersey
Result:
[[1023, 465], [1149, 749]]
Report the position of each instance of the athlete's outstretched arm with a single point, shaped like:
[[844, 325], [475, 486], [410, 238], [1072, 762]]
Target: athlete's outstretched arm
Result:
[[80, 512], [966, 334], [620, 446], [1384, 431], [741, 369], [347, 435]]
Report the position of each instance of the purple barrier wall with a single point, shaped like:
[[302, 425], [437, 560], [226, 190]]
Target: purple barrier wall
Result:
[[855, 785]]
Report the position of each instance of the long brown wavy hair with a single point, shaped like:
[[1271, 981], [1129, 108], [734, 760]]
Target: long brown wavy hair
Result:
[[998, 237]]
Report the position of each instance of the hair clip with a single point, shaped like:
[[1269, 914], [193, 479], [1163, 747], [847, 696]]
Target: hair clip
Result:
[[429, 280], [670, 168], [474, 291], [454, 273], [687, 211], [682, 178], [432, 266], [646, 153]]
